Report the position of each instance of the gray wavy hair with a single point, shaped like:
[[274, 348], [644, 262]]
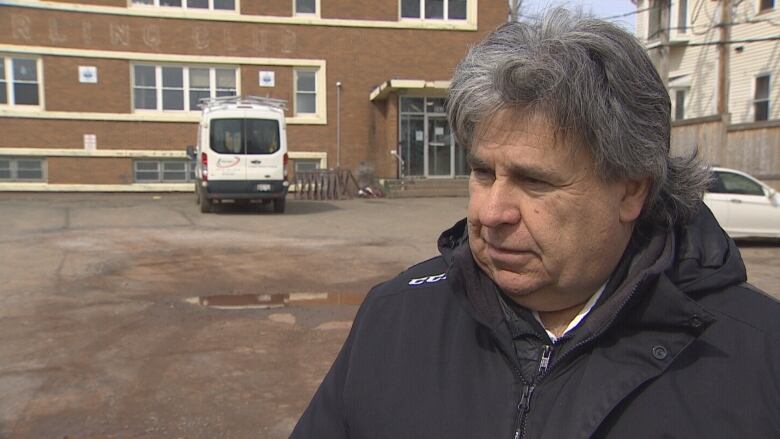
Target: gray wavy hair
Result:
[[596, 85]]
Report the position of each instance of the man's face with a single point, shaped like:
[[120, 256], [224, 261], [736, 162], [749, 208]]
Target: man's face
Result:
[[542, 224]]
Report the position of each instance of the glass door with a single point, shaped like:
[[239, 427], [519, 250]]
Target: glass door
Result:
[[412, 145], [425, 141], [439, 147]]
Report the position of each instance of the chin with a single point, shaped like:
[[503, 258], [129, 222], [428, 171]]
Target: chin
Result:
[[517, 285]]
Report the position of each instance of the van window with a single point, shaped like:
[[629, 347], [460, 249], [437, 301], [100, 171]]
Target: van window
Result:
[[226, 136], [262, 136], [244, 136]]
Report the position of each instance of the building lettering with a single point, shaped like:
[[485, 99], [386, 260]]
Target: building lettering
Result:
[[86, 32], [21, 27], [288, 41], [200, 37], [54, 32], [230, 46], [120, 34], [260, 40], [152, 37]]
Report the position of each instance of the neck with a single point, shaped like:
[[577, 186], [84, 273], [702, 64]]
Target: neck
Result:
[[557, 321]]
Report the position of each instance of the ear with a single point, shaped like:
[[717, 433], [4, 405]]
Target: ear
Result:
[[633, 199]]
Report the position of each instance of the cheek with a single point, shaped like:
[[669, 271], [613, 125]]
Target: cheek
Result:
[[473, 209]]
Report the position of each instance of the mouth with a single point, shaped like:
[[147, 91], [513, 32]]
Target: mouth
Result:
[[501, 251]]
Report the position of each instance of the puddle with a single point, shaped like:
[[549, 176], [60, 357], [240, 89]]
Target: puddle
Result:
[[270, 301]]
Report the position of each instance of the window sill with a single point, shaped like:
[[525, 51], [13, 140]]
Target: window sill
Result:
[[139, 116]]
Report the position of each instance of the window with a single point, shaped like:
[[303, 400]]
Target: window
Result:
[[163, 171], [173, 88], [19, 81], [240, 136], [679, 104], [434, 9], [227, 5], [761, 99], [682, 16], [728, 183], [305, 92], [306, 165], [305, 7], [179, 88], [765, 5], [22, 169], [656, 24]]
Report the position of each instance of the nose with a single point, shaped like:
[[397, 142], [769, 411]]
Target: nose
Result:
[[499, 206]]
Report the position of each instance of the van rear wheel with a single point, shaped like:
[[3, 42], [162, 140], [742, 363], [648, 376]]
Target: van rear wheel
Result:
[[279, 205], [205, 203]]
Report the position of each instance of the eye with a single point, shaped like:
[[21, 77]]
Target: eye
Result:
[[483, 174]]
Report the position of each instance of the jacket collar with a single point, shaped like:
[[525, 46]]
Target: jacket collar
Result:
[[666, 272]]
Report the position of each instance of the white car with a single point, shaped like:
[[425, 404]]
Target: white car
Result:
[[744, 207]]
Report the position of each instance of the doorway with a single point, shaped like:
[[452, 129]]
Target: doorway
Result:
[[426, 145]]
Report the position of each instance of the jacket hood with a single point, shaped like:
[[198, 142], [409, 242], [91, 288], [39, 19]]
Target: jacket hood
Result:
[[451, 239], [706, 258]]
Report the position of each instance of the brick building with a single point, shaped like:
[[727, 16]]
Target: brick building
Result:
[[102, 94]]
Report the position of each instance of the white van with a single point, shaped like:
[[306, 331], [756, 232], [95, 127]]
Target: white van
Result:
[[242, 152]]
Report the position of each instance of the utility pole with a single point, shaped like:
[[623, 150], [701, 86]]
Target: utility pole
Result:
[[724, 57], [514, 9], [663, 59]]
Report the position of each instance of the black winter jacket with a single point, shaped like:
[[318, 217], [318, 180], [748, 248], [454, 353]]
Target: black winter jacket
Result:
[[682, 347]]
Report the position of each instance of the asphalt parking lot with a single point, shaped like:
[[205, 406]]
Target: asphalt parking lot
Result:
[[136, 316]]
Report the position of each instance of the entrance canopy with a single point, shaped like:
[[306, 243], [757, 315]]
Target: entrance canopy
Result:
[[382, 91]]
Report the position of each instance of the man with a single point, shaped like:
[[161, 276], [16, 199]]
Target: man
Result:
[[589, 293]]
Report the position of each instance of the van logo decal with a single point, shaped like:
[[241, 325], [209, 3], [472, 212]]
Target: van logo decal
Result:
[[228, 163], [257, 162], [428, 279]]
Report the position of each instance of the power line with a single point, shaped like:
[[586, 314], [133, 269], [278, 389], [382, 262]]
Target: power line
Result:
[[745, 41]]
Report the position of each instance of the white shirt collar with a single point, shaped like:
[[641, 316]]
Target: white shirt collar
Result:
[[580, 316]]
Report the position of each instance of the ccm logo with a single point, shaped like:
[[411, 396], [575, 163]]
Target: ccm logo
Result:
[[428, 279]]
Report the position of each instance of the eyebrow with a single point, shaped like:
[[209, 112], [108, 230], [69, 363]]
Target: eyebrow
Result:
[[513, 169]]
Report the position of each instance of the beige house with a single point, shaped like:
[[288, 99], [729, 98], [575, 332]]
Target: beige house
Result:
[[683, 39]]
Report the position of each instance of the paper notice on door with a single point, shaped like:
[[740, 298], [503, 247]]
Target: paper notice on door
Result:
[[418, 136], [90, 142], [438, 131]]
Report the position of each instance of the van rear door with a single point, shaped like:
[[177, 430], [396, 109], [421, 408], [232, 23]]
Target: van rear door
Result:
[[227, 160], [264, 150]]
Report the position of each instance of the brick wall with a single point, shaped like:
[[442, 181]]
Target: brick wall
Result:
[[360, 58], [96, 170], [64, 92], [49, 133]]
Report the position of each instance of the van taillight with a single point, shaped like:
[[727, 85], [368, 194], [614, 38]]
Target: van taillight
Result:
[[204, 166], [286, 161]]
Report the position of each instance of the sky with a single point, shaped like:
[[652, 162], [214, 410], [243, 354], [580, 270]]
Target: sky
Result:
[[600, 8]]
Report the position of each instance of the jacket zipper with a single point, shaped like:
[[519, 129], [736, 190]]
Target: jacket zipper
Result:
[[524, 406]]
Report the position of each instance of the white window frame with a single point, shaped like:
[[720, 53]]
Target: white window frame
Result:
[[299, 161], [184, 6], [678, 32], [14, 168], [189, 171], [445, 15], [9, 81], [316, 92], [674, 91], [316, 12], [655, 35], [186, 84], [768, 99]]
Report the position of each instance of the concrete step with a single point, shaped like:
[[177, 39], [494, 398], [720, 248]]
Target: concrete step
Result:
[[425, 193], [431, 187], [460, 182]]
